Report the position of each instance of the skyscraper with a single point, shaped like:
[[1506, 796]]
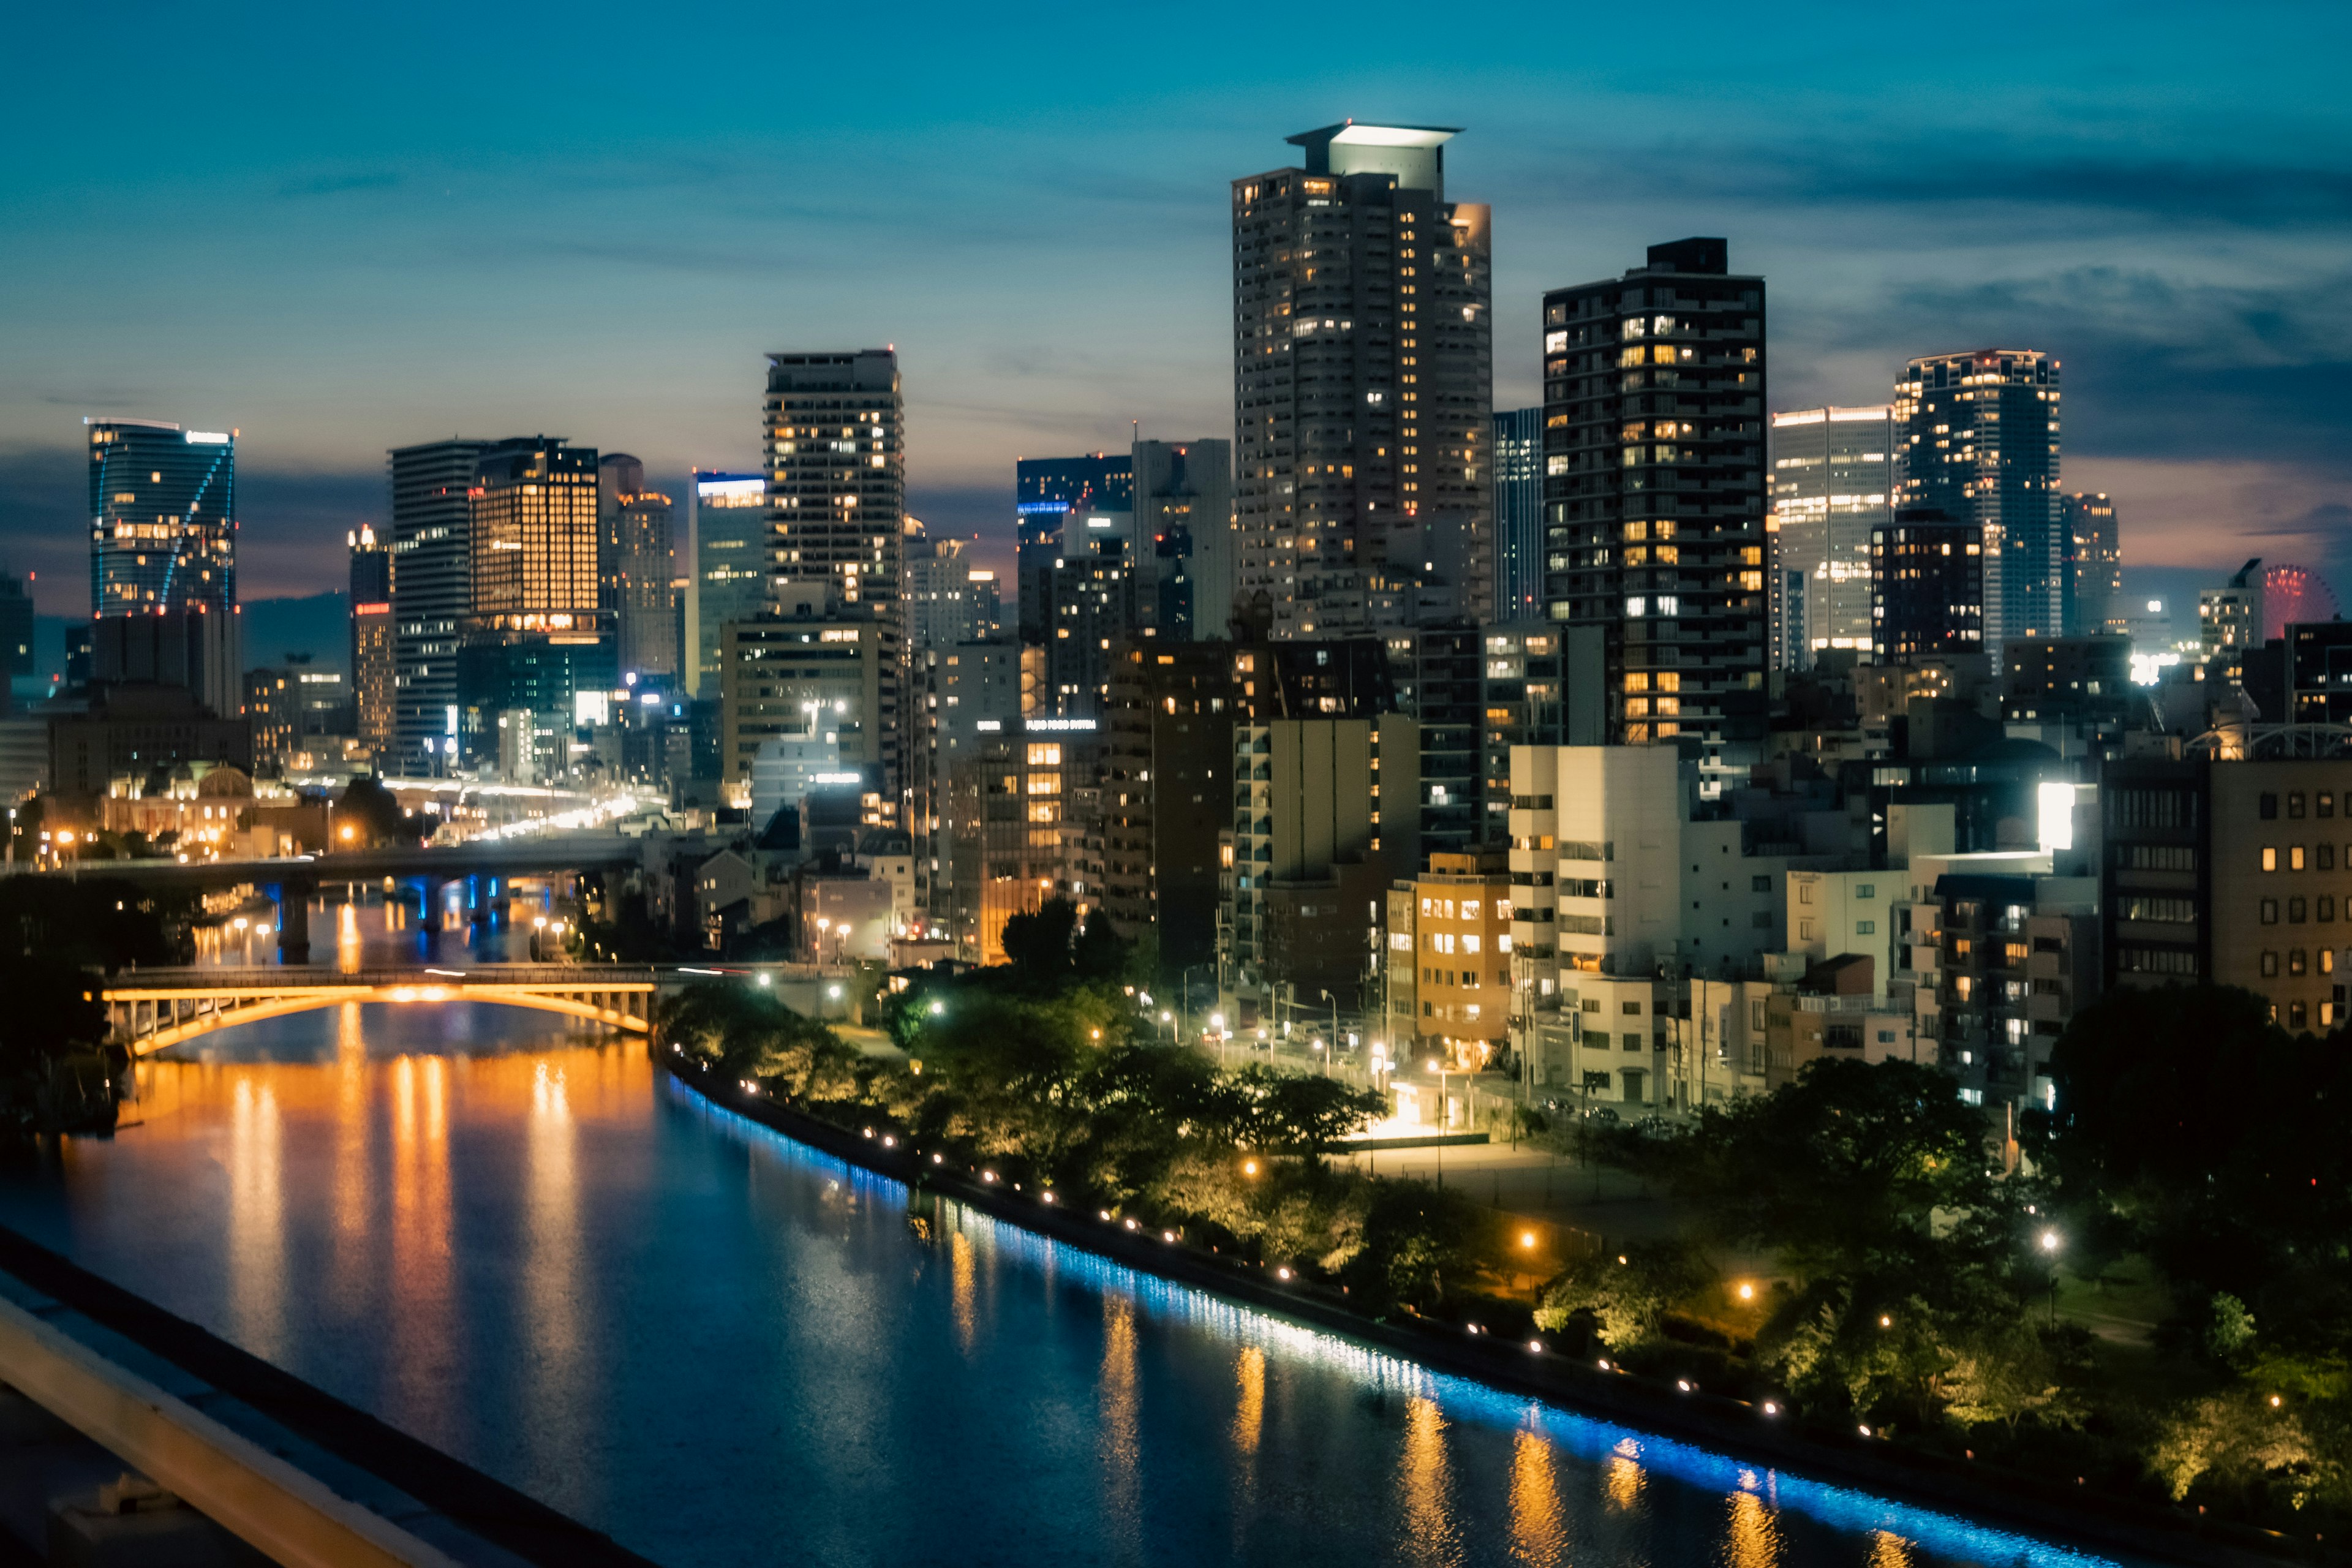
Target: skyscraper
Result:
[[1653, 491], [634, 566], [730, 565], [163, 541], [1519, 514], [1980, 442], [1183, 503], [837, 475], [432, 587], [1362, 387], [1046, 493], [534, 636], [2095, 555], [374, 668], [1834, 483]]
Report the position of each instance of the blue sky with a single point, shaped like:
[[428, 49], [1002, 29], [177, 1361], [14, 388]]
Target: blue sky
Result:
[[341, 230]]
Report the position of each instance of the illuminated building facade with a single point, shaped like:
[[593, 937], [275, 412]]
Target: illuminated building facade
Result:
[[1519, 514], [2095, 554], [1930, 583], [535, 637], [374, 667], [1833, 481], [1654, 492], [162, 539], [1980, 443], [1363, 398], [838, 475], [729, 581], [432, 587], [635, 568]]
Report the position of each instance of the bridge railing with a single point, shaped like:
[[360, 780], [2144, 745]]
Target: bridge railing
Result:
[[281, 977]]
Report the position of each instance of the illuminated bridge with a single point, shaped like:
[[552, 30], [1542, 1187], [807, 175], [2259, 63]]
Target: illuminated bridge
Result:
[[151, 1009]]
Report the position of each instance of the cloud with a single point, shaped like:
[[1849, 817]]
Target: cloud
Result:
[[336, 184]]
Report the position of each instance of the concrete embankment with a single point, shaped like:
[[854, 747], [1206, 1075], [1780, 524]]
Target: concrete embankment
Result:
[[105, 1382], [2041, 1506]]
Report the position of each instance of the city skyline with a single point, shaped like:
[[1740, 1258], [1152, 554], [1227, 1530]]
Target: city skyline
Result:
[[363, 288]]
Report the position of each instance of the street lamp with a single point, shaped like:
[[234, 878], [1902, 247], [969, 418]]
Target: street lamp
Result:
[[2050, 1242]]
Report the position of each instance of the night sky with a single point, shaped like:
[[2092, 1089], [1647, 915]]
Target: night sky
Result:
[[341, 229]]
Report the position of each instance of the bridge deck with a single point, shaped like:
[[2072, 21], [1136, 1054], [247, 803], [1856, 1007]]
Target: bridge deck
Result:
[[155, 985]]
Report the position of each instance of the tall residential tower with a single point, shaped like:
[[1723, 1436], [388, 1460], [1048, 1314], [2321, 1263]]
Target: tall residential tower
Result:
[[1980, 443], [1654, 494], [838, 475], [1363, 387]]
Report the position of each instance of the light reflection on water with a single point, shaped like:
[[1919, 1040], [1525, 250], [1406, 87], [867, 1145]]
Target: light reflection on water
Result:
[[723, 1347]]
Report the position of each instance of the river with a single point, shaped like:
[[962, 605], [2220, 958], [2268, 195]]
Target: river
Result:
[[530, 1251]]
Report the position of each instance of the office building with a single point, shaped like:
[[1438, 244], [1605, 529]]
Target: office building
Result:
[[1834, 483], [634, 569], [2086, 522], [949, 600], [432, 590], [968, 695], [1431, 749], [1048, 493], [1363, 398], [162, 537], [1519, 514], [1929, 589], [374, 667], [1653, 491], [815, 670], [729, 580], [1184, 506], [1979, 438], [534, 640], [129, 733], [836, 444], [1522, 701]]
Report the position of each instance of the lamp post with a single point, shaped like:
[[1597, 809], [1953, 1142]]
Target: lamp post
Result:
[[2050, 1242], [1437, 1065]]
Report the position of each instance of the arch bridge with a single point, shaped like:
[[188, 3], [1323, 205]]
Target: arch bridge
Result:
[[152, 1009]]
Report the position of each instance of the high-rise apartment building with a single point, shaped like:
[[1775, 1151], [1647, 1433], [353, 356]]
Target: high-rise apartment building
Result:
[[1519, 514], [635, 568], [163, 540], [729, 580], [374, 668], [1930, 585], [1980, 442], [1834, 484], [534, 636], [1363, 396], [838, 475], [1653, 491], [432, 588], [2086, 521]]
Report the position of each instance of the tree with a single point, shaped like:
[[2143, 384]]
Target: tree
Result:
[[1038, 945], [1626, 1295], [373, 813], [53, 1075]]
